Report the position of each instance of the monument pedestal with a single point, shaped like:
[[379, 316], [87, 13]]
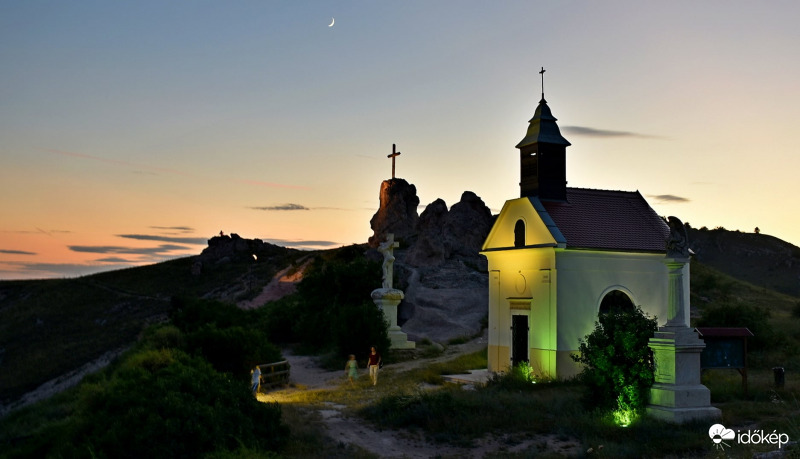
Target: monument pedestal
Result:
[[677, 394], [387, 299]]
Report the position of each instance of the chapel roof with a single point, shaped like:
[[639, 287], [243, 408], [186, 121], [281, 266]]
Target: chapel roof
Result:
[[605, 219]]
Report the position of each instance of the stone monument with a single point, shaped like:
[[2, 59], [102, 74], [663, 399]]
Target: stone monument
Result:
[[387, 297], [677, 394]]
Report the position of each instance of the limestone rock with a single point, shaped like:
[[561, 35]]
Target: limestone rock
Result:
[[444, 302], [443, 234], [467, 225], [429, 248], [397, 213]]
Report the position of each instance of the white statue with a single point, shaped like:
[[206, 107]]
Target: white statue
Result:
[[387, 249]]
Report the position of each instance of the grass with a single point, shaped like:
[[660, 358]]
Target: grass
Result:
[[531, 420]]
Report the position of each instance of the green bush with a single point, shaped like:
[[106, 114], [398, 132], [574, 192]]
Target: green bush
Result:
[[333, 309], [356, 328], [618, 365], [221, 333], [234, 350], [161, 403]]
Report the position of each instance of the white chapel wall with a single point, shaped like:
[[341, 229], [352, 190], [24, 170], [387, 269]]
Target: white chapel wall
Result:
[[585, 276]]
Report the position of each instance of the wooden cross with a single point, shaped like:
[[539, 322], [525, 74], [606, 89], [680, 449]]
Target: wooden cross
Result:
[[393, 156], [542, 74]]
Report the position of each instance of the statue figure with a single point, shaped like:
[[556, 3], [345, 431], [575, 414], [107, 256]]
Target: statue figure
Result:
[[678, 241], [387, 249]]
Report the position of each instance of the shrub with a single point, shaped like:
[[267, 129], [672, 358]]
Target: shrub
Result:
[[234, 350], [334, 310], [618, 363], [164, 403], [519, 377], [356, 328]]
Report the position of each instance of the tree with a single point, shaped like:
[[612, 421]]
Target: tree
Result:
[[618, 363]]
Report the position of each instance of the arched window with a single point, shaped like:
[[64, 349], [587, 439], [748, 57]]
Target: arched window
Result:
[[616, 300], [519, 233]]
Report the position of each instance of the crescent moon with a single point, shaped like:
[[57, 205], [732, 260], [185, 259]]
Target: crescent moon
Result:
[[332, 22]]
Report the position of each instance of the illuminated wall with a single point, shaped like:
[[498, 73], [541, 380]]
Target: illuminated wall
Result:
[[558, 289], [585, 277], [521, 282]]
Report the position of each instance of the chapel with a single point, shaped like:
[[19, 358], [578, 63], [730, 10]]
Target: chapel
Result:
[[559, 256]]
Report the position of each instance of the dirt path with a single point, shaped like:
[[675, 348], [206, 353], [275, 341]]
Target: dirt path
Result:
[[282, 284], [341, 426]]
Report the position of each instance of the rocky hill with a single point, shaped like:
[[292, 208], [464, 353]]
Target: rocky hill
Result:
[[759, 259]]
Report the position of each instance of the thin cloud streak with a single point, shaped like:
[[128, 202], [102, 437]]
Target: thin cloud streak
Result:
[[115, 260], [177, 240], [17, 252], [288, 206], [671, 198], [183, 229], [162, 250], [593, 132]]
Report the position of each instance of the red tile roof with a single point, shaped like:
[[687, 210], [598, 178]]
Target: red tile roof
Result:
[[612, 220]]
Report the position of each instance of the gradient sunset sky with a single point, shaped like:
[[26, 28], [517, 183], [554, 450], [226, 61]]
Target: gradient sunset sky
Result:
[[133, 131]]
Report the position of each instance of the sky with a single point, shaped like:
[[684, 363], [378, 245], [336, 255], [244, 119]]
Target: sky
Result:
[[131, 132]]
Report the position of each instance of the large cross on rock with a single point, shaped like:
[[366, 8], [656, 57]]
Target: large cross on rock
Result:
[[394, 154]]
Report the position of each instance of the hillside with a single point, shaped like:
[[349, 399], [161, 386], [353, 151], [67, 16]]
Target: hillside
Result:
[[759, 259], [51, 327]]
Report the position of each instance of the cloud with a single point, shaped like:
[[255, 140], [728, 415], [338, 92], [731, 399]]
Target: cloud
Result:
[[38, 231], [661, 198], [17, 252], [163, 249], [593, 132], [177, 240], [115, 260], [183, 229], [283, 207]]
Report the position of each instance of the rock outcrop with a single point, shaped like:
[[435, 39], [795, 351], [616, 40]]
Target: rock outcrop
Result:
[[429, 248], [226, 248], [397, 213], [443, 234], [438, 264]]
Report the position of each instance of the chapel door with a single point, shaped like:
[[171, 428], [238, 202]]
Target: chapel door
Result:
[[519, 339]]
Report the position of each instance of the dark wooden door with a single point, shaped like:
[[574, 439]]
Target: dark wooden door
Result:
[[519, 339]]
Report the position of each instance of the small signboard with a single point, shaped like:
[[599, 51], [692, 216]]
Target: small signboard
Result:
[[726, 348]]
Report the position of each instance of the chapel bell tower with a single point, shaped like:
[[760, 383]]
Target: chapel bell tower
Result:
[[542, 156]]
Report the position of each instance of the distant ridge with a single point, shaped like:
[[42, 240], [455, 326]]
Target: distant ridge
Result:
[[760, 259]]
